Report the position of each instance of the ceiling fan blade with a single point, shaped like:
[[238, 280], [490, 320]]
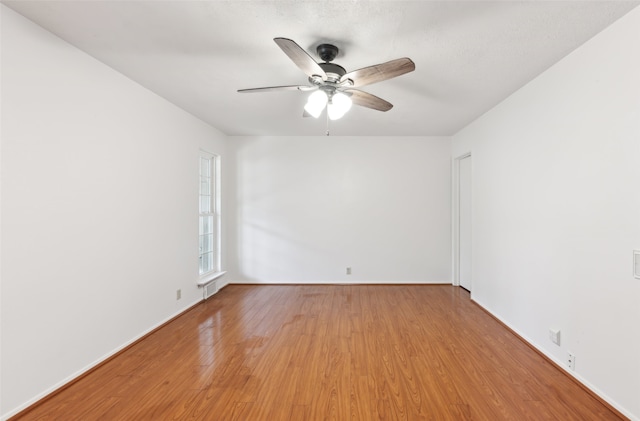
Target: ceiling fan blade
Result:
[[365, 99], [300, 57], [380, 72], [302, 88]]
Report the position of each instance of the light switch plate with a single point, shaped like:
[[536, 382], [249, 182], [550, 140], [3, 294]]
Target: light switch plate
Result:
[[636, 264]]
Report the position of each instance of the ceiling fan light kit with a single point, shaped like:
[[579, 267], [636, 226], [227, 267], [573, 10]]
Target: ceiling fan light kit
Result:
[[338, 106], [333, 87], [316, 103]]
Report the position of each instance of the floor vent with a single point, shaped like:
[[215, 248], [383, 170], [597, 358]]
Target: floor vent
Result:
[[210, 289]]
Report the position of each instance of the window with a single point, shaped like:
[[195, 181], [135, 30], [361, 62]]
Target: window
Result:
[[209, 214]]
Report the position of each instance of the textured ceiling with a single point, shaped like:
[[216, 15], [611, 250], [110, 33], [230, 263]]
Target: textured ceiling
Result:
[[469, 55]]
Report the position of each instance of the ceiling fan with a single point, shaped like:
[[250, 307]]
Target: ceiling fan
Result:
[[332, 86]]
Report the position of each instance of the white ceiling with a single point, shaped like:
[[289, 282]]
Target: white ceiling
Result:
[[469, 55]]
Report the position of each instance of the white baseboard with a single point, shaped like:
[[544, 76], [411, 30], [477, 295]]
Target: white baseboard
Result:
[[90, 366], [334, 282], [562, 365]]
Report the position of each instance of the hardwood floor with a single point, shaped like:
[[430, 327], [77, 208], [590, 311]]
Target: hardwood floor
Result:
[[328, 352]]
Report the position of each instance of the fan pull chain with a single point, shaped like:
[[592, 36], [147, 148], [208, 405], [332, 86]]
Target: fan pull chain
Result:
[[327, 123]]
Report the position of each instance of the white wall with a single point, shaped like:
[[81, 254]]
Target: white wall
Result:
[[99, 210], [308, 208], [557, 211], [96, 169]]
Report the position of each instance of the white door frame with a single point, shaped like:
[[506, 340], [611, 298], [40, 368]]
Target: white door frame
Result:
[[455, 206]]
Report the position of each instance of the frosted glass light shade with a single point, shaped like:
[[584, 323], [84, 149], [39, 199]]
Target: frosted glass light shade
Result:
[[316, 103], [339, 105]]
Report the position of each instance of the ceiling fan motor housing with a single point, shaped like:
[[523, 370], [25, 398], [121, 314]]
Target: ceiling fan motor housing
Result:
[[333, 71]]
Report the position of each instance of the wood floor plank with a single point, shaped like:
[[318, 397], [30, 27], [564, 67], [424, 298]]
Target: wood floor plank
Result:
[[327, 352]]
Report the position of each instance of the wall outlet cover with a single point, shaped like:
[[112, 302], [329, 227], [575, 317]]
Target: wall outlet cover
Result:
[[554, 335]]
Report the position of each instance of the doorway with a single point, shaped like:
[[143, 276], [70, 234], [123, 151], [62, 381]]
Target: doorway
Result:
[[463, 219]]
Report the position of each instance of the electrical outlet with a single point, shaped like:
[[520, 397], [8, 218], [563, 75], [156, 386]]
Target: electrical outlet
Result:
[[178, 294], [571, 361], [348, 271]]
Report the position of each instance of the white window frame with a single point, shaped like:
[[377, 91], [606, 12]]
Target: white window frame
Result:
[[209, 237]]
